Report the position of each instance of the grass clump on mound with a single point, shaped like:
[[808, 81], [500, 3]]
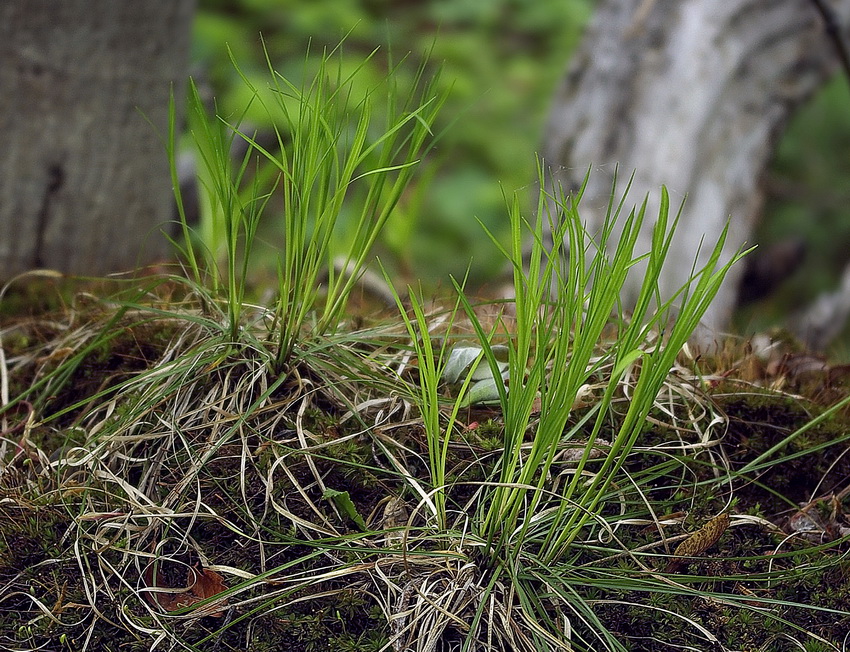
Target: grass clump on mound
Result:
[[184, 470]]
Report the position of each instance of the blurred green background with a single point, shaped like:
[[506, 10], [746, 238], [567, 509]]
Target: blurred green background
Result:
[[502, 60]]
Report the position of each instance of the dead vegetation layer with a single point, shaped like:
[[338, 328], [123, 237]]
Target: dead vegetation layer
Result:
[[160, 484]]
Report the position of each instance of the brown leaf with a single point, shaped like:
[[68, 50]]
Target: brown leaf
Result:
[[201, 583], [699, 541], [207, 584]]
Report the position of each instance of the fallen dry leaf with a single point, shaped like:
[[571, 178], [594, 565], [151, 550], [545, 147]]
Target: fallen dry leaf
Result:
[[201, 583]]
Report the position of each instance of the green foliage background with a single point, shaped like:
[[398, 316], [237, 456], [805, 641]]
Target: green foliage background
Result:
[[501, 58]]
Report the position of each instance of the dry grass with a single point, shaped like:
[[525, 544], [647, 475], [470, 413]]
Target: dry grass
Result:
[[144, 455]]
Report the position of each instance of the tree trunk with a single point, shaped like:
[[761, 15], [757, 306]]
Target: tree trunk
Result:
[[84, 180], [691, 94], [824, 320]]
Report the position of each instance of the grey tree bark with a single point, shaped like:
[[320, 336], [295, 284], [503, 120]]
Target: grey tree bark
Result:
[[84, 180], [691, 94]]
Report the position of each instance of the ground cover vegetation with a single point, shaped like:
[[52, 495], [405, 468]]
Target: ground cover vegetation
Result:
[[186, 469]]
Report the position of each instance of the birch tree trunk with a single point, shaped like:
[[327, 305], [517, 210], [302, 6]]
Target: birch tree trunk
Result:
[[691, 94], [84, 180]]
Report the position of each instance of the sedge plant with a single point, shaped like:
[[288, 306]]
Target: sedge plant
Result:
[[561, 312], [565, 299], [345, 151], [332, 160]]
